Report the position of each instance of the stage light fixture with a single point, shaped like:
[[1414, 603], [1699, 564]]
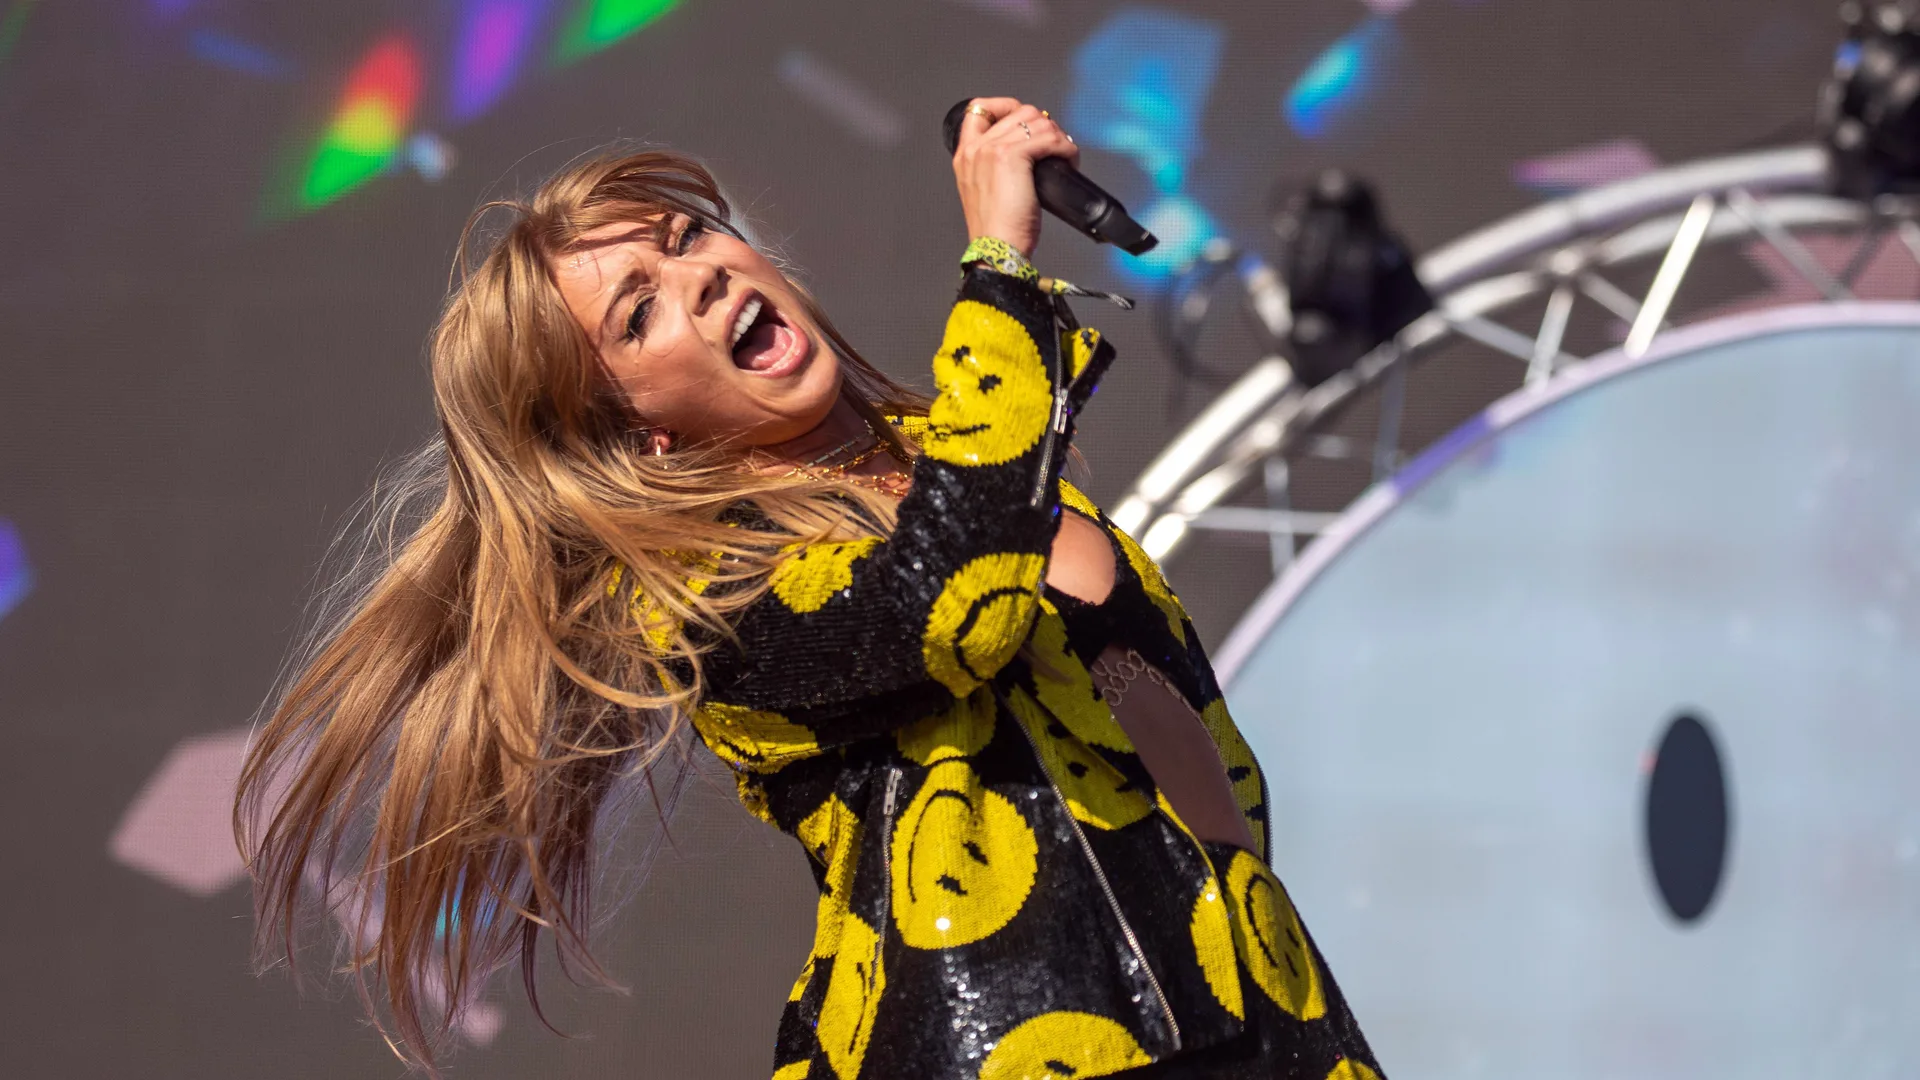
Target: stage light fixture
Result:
[[1869, 110], [1350, 280]]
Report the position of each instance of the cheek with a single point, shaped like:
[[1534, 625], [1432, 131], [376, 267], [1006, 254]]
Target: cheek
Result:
[[667, 379]]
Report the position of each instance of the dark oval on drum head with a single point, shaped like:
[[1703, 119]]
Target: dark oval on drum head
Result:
[[1687, 818]]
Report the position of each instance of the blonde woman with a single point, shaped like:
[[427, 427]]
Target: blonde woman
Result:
[[674, 494]]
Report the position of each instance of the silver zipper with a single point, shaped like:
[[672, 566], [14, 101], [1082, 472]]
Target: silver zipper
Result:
[[1100, 875], [886, 862]]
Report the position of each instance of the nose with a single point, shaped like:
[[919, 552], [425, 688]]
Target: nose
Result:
[[692, 282]]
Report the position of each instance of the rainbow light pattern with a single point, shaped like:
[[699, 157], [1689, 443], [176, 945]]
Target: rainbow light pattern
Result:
[[369, 125], [493, 41], [597, 24], [1338, 82], [16, 577]]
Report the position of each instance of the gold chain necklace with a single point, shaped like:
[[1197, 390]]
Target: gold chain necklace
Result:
[[893, 483], [828, 456]]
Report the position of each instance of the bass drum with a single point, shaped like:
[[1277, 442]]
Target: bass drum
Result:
[[1593, 738]]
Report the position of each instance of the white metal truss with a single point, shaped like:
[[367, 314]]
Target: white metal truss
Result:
[[1566, 251]]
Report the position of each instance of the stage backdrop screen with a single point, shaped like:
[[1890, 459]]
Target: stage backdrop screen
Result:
[[228, 227]]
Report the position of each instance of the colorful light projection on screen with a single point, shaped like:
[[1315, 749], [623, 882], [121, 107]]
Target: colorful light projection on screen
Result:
[[1141, 83], [222, 49], [494, 39], [596, 24], [370, 124], [12, 24], [840, 96], [179, 830], [1336, 86], [1585, 166], [16, 577]]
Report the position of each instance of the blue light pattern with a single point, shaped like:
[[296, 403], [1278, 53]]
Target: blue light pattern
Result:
[[1340, 80], [1141, 83], [16, 578]]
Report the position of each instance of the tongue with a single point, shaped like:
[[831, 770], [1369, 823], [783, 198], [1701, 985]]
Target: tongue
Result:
[[766, 343]]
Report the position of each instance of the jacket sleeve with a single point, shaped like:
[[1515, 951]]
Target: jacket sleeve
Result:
[[853, 639]]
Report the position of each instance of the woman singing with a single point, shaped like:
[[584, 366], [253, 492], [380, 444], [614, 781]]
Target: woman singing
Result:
[[672, 493]]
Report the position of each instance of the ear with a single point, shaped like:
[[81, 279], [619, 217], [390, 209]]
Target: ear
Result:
[[659, 441]]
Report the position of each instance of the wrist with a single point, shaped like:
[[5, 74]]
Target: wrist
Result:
[[1000, 256]]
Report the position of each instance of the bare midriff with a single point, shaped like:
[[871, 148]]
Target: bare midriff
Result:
[[1162, 725]]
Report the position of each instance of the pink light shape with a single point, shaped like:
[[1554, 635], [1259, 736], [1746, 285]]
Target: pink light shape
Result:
[[1890, 273], [179, 828], [1586, 166], [1028, 12], [1389, 7]]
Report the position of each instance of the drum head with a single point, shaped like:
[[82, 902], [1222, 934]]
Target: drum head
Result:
[[1594, 739]]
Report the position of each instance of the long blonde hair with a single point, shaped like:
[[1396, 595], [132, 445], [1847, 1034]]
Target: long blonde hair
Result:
[[520, 631]]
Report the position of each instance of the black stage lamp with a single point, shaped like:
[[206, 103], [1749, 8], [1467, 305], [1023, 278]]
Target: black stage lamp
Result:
[[1350, 280], [1870, 109]]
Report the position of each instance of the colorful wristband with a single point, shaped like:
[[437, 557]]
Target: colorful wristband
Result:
[[999, 255]]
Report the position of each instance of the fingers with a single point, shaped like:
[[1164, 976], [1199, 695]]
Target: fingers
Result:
[[1009, 123], [1029, 133], [981, 113]]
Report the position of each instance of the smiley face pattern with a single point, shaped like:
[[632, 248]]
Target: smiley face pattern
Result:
[[1003, 892]]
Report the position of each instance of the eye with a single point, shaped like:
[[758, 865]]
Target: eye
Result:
[[637, 322], [691, 232]]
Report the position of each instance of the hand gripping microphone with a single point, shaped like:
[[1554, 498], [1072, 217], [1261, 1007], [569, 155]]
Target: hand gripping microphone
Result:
[[1071, 197]]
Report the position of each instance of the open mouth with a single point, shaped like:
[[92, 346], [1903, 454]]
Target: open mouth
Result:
[[763, 342]]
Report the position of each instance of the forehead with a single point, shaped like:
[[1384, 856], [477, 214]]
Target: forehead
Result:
[[605, 255]]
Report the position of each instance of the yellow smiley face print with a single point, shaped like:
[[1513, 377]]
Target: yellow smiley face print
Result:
[[1078, 346], [752, 738], [852, 999], [1096, 793], [1073, 497], [1212, 931], [1272, 943], [980, 618], [963, 860], [957, 732], [1154, 583], [809, 576], [1349, 1069], [995, 395], [1062, 1046], [1243, 772]]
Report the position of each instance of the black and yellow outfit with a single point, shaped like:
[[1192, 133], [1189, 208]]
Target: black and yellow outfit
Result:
[[1003, 893]]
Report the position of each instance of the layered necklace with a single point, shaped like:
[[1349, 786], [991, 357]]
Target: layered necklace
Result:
[[894, 482]]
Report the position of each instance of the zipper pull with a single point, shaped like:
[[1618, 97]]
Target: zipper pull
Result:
[[893, 790]]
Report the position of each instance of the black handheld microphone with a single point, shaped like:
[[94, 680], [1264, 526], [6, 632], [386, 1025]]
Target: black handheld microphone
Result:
[[1071, 197]]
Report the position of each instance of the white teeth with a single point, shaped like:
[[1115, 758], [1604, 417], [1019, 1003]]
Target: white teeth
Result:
[[741, 324]]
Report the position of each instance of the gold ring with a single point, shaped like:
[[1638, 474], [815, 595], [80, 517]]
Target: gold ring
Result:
[[975, 110], [1045, 114]]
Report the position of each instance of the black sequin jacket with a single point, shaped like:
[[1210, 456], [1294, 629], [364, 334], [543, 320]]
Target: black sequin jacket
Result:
[[1003, 893]]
